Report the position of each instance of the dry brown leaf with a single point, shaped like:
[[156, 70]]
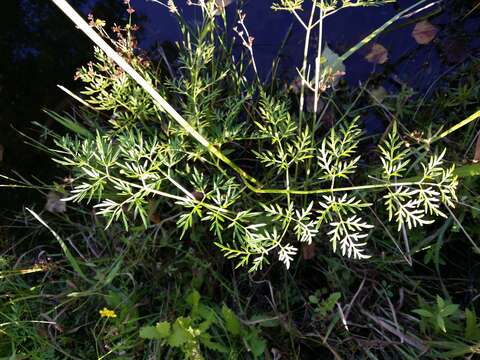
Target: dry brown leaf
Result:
[[377, 55], [54, 203], [309, 251], [424, 32], [1, 152], [476, 158]]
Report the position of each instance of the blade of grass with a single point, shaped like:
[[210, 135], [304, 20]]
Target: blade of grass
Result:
[[71, 259], [74, 96], [461, 124], [15, 272], [70, 124]]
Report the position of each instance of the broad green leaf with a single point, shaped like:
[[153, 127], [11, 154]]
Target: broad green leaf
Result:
[[231, 321], [256, 344], [441, 323], [114, 299], [193, 299], [472, 330], [205, 312], [440, 302], [205, 339], [328, 304], [449, 310], [467, 170], [209, 316], [149, 332], [163, 329], [179, 335], [423, 313]]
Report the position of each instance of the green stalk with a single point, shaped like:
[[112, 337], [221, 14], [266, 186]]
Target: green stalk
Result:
[[340, 189], [304, 65], [461, 124], [71, 259]]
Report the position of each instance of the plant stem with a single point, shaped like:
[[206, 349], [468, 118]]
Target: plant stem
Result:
[[304, 65]]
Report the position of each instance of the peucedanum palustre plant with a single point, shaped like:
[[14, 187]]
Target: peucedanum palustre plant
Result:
[[131, 159]]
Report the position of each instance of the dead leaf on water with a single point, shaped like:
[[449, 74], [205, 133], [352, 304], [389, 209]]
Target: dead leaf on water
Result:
[[54, 203], [424, 32], [377, 55]]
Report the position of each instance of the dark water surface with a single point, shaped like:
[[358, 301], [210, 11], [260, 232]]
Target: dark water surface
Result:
[[413, 64]]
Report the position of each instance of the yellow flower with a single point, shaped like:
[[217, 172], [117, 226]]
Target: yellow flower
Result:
[[107, 313]]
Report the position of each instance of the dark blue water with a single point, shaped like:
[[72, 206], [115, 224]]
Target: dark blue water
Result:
[[415, 65]]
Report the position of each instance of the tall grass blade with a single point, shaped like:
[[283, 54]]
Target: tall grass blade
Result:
[[71, 259]]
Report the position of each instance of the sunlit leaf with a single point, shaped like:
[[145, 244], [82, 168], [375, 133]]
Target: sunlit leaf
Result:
[[441, 323], [449, 310], [231, 321]]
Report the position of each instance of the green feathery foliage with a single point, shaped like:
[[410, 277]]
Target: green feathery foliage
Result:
[[310, 175]]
